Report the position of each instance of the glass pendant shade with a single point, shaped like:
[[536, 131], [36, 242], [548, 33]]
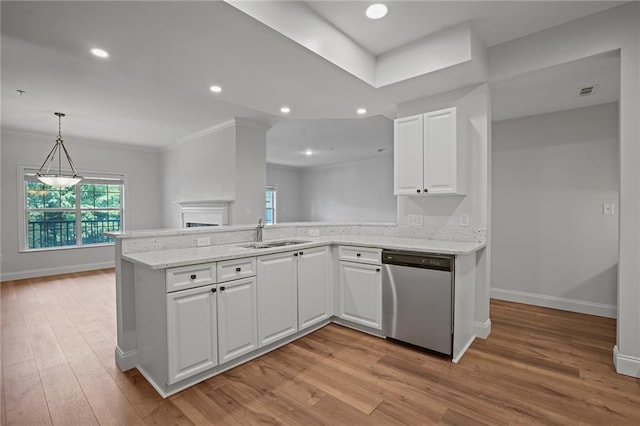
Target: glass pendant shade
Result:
[[59, 179]]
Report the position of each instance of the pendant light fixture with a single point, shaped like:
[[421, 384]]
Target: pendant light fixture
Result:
[[58, 179]]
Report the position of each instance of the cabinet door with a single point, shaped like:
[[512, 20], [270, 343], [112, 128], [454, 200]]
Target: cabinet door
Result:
[[440, 152], [314, 287], [191, 332], [361, 294], [237, 318], [277, 296], [407, 156]]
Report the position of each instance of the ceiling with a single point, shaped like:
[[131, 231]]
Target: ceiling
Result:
[[555, 88], [331, 141], [153, 90], [407, 21]]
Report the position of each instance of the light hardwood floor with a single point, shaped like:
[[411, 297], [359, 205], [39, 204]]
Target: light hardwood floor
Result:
[[539, 366]]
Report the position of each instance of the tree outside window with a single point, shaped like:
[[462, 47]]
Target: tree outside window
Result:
[[74, 215], [270, 211]]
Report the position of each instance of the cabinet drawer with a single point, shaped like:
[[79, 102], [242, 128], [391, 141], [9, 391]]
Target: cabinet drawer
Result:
[[360, 254], [236, 268], [190, 276]]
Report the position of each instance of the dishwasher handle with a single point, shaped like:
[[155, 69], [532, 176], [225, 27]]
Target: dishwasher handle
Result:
[[439, 262]]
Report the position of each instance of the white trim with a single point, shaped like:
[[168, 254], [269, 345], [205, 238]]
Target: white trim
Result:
[[482, 330], [126, 360], [197, 135], [221, 368], [627, 365], [33, 273], [21, 205], [80, 140], [463, 350], [252, 124], [572, 305]]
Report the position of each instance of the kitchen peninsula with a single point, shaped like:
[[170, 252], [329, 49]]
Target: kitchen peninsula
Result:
[[192, 303]]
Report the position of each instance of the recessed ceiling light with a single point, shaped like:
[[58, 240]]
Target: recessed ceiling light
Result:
[[308, 153], [100, 53], [376, 11], [361, 111], [215, 89], [285, 110]]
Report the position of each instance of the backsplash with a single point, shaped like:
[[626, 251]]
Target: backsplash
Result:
[[167, 240]]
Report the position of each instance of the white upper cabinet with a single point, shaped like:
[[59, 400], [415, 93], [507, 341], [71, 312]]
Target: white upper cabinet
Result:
[[407, 159], [428, 154]]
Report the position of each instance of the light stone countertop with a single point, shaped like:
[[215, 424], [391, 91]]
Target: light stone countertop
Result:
[[189, 256]]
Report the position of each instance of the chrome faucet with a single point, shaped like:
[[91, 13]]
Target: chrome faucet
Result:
[[259, 231]]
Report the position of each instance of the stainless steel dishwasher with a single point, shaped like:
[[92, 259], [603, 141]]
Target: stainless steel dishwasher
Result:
[[417, 299]]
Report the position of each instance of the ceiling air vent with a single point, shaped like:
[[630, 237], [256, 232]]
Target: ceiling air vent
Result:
[[586, 91]]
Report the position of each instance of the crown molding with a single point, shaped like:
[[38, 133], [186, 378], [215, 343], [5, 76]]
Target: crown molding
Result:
[[78, 140], [199, 134], [252, 124]]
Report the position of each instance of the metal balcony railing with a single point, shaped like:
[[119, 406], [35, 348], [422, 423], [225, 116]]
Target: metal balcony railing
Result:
[[63, 233]]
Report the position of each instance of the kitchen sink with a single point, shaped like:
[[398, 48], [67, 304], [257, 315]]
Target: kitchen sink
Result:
[[267, 244]]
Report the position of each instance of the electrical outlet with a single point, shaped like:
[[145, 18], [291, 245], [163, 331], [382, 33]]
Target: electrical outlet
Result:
[[464, 219], [414, 219], [314, 232], [608, 209], [203, 241]]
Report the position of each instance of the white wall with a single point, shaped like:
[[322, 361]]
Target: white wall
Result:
[[616, 28], [442, 213], [552, 245], [473, 117], [226, 163], [200, 169], [360, 191], [251, 174], [289, 192], [142, 199]]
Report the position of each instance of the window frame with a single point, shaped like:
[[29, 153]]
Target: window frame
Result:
[[274, 190], [23, 211]]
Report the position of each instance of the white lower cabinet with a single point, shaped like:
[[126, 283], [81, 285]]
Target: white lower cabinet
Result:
[[191, 332], [277, 296], [361, 294], [237, 318], [314, 287]]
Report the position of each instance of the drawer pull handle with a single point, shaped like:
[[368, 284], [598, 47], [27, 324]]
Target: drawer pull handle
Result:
[[358, 254], [193, 276], [222, 288], [377, 269], [213, 290], [301, 253], [418, 191], [295, 254], [238, 269]]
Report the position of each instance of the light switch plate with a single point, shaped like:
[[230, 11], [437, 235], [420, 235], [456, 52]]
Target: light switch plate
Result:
[[203, 241], [608, 209], [464, 219], [314, 232]]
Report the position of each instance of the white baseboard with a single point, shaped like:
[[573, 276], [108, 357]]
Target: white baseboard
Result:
[[463, 350], [482, 329], [126, 360], [55, 271], [580, 306], [627, 365]]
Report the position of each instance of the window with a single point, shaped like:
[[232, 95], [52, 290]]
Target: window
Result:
[[270, 212], [71, 216]]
